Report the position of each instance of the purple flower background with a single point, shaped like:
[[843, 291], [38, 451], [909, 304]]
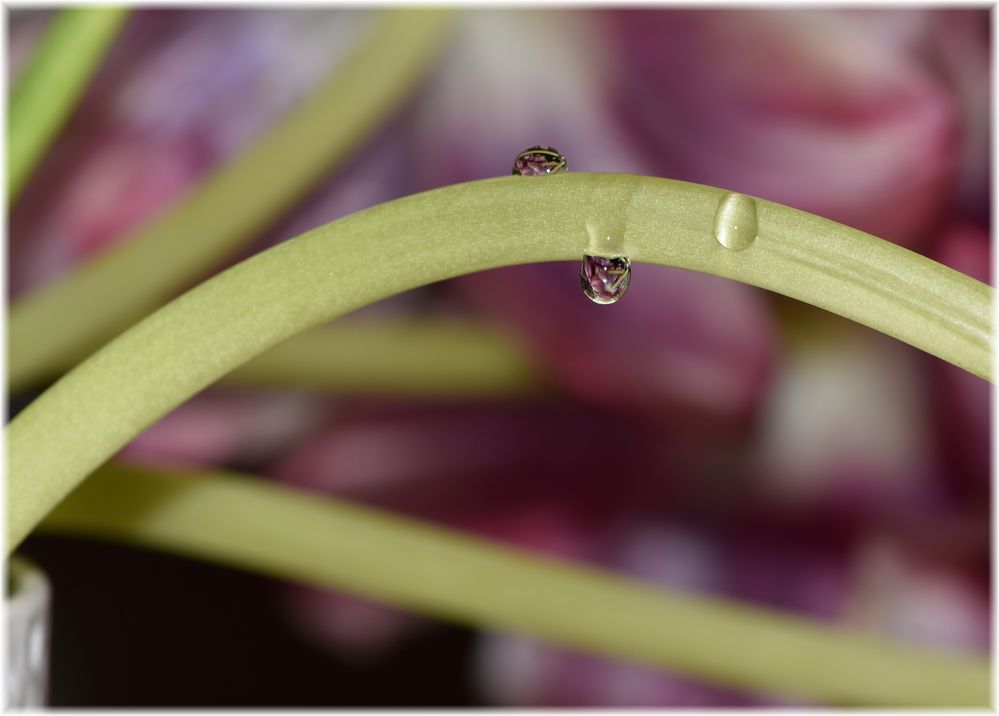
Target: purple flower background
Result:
[[703, 435]]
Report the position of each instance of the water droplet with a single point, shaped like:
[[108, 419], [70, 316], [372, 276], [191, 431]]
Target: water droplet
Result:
[[735, 222], [539, 160], [605, 280]]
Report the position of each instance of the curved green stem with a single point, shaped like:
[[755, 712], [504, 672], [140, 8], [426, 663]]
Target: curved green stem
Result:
[[74, 316], [107, 400], [283, 533], [56, 76]]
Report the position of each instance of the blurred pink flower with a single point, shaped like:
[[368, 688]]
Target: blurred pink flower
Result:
[[225, 428], [692, 349], [462, 463], [846, 422], [514, 671], [351, 627], [831, 112], [511, 80], [903, 594], [960, 55]]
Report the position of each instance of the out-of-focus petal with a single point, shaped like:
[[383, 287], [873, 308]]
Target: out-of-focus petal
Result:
[[965, 247], [909, 597], [846, 422], [960, 39], [514, 79], [351, 627], [459, 462], [681, 344], [226, 428], [516, 671], [831, 112]]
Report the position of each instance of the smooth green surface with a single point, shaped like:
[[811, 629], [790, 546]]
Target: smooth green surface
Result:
[[93, 411], [64, 322], [282, 533], [55, 78], [396, 356]]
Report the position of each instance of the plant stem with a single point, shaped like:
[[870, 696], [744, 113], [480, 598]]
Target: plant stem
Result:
[[74, 316], [93, 411], [55, 78], [396, 356], [276, 531]]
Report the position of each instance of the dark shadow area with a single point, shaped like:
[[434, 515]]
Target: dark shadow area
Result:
[[140, 629]]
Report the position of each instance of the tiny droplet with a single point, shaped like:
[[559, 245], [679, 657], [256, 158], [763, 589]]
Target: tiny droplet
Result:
[[735, 222], [605, 280], [539, 160]]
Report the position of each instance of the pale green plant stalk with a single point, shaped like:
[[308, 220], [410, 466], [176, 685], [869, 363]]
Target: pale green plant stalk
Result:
[[93, 411], [55, 78], [283, 533], [75, 315], [396, 356]]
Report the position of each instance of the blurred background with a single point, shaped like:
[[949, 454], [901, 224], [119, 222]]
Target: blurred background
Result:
[[702, 435]]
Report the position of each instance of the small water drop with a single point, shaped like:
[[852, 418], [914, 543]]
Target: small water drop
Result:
[[539, 160], [605, 280], [736, 226]]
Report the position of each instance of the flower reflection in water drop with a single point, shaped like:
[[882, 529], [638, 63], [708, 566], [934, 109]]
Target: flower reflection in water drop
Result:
[[605, 280]]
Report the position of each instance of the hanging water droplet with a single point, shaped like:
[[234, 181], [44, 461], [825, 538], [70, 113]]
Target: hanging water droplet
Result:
[[735, 222], [539, 160], [605, 280]]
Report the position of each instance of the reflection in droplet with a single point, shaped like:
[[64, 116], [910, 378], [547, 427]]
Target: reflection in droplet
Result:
[[539, 160], [736, 226], [605, 280]]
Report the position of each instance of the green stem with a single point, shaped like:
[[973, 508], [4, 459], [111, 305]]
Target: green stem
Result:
[[93, 411], [282, 533], [55, 78], [74, 316], [396, 356]]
